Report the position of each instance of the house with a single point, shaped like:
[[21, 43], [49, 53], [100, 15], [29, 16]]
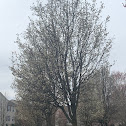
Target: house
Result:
[[11, 111], [7, 111], [3, 110]]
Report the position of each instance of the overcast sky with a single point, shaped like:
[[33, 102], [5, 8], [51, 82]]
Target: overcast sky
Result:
[[14, 19]]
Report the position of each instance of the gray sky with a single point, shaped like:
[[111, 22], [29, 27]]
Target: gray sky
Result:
[[14, 19]]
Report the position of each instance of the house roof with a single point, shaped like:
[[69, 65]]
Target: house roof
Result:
[[2, 95]]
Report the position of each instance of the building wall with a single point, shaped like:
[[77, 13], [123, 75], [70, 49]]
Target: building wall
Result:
[[3, 110], [7, 111], [11, 111]]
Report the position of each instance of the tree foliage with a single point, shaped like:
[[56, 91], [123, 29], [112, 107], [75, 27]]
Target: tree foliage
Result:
[[61, 49], [96, 103], [119, 97]]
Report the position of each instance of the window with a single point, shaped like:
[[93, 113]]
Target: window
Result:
[[12, 108], [8, 108], [13, 119], [8, 118]]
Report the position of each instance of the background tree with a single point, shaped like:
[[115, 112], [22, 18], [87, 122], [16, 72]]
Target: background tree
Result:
[[69, 40], [119, 97], [96, 104], [90, 108], [124, 4], [107, 89]]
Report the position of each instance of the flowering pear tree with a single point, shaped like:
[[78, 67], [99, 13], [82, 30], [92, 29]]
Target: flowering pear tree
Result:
[[64, 44]]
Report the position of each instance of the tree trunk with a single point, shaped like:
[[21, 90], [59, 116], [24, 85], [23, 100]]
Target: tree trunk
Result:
[[49, 123], [106, 124], [74, 122], [49, 120], [101, 122]]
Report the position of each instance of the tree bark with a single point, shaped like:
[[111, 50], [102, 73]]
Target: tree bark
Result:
[[49, 120], [74, 122]]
